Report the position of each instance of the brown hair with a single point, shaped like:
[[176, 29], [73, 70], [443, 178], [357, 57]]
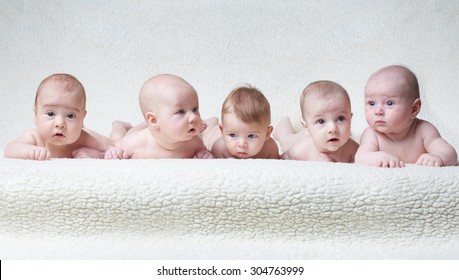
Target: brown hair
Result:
[[321, 89], [248, 104]]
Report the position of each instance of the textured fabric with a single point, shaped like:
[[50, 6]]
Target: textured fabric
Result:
[[269, 208]]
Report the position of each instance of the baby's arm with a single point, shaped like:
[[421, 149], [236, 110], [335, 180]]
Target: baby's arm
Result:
[[92, 145], [115, 151], [26, 147], [368, 152], [125, 147], [439, 152]]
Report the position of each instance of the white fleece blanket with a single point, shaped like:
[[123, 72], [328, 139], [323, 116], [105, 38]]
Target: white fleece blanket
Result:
[[220, 209]]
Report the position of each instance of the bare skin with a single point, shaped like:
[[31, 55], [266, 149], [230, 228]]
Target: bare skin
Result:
[[395, 135], [172, 127], [59, 133]]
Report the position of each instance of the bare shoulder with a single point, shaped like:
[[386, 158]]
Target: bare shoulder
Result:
[[219, 149], [31, 137], [136, 139], [368, 135], [352, 145], [196, 144], [270, 149], [425, 128]]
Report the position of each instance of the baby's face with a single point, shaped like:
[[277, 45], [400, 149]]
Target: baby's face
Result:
[[178, 115], [243, 140], [388, 108], [59, 115], [328, 121]]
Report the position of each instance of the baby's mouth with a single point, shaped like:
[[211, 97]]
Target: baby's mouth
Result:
[[58, 135], [333, 140]]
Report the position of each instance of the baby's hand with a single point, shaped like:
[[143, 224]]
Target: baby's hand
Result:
[[39, 153], [87, 153], [203, 154], [115, 153], [203, 126], [387, 160], [429, 160]]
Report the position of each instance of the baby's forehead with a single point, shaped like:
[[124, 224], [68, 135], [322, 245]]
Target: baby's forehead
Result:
[[67, 90]]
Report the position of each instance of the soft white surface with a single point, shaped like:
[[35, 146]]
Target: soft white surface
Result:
[[278, 46], [226, 209]]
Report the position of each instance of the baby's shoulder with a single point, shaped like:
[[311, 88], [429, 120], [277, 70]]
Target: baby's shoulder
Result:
[[219, 149], [32, 137], [425, 130]]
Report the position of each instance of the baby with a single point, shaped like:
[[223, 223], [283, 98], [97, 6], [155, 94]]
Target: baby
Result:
[[245, 131], [326, 111], [170, 107], [60, 108], [395, 135]]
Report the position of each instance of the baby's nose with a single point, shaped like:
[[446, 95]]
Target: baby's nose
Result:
[[59, 122], [242, 142], [332, 128], [192, 117]]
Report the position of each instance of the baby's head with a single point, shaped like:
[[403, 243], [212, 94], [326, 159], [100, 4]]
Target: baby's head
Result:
[[170, 106], [60, 108], [246, 120], [326, 111], [392, 99]]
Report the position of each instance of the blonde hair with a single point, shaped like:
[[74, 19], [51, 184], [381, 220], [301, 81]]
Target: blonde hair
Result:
[[320, 89], [66, 81], [248, 104]]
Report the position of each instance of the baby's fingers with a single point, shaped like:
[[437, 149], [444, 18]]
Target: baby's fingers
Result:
[[40, 154]]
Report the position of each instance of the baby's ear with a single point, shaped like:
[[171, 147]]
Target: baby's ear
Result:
[[151, 118], [304, 124], [416, 107], [268, 132], [34, 116]]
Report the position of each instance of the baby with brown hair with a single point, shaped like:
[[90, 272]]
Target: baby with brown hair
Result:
[[245, 129]]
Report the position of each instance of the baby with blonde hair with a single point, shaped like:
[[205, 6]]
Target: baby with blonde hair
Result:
[[326, 112]]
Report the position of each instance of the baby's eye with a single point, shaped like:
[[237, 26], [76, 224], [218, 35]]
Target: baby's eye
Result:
[[195, 110], [181, 112], [232, 135], [341, 119], [321, 121], [371, 103], [71, 116], [252, 136], [50, 114], [390, 103]]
